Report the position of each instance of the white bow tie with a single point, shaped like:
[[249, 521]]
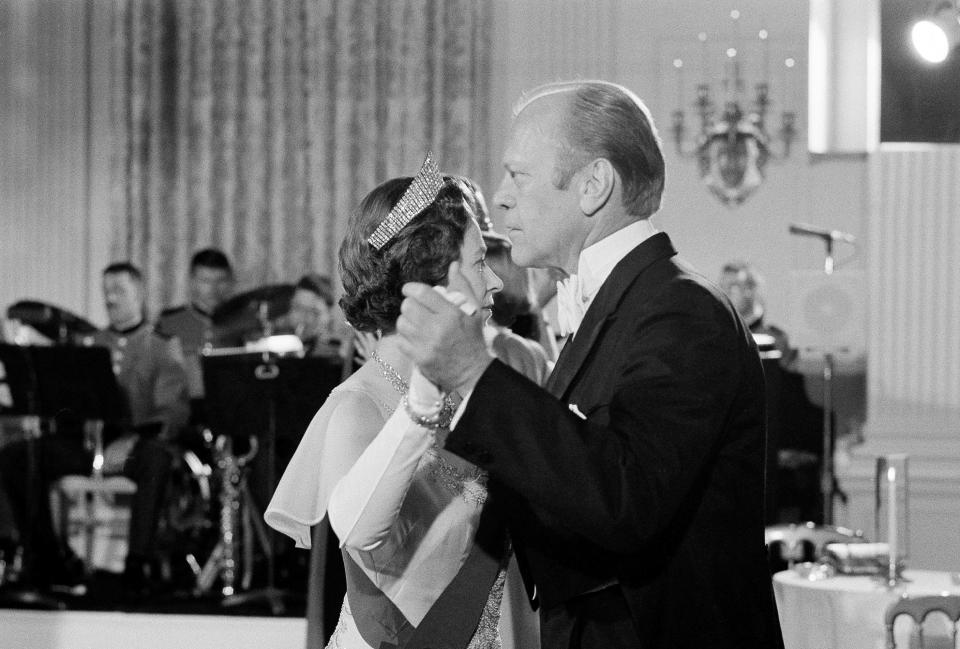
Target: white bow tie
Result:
[[571, 305]]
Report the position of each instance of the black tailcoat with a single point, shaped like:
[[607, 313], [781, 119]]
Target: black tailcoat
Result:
[[659, 491]]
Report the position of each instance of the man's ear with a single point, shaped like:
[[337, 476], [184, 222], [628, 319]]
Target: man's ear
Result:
[[597, 183]]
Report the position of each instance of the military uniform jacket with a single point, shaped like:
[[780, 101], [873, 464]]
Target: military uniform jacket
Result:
[[193, 328], [149, 370]]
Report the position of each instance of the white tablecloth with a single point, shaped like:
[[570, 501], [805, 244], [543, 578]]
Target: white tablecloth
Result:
[[846, 612]]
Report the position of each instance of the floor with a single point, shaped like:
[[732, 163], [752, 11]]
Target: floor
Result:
[[103, 617], [118, 630]]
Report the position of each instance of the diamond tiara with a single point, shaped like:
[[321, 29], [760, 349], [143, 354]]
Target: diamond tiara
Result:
[[421, 192]]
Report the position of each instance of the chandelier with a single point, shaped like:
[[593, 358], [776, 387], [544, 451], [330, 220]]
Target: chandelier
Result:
[[732, 145]]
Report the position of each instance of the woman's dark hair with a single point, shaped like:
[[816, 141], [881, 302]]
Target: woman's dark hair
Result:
[[421, 252]]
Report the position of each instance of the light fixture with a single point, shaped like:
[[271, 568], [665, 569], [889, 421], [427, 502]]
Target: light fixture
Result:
[[732, 145], [935, 36]]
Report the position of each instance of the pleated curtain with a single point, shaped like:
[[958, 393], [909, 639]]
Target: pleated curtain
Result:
[[257, 125]]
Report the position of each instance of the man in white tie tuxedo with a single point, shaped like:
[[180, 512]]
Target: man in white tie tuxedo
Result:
[[632, 484]]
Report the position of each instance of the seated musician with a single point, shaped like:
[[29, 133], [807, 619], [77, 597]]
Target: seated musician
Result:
[[152, 380], [744, 286], [311, 316], [211, 283]]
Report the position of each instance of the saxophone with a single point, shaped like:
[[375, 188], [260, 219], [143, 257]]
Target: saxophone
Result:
[[224, 561]]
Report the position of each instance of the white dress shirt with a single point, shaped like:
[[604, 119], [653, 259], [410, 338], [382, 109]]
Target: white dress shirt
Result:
[[597, 261]]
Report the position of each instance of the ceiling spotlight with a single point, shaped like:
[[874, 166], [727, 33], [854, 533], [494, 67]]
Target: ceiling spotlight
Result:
[[935, 36]]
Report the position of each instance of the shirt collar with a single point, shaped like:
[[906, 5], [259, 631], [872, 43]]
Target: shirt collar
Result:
[[598, 260]]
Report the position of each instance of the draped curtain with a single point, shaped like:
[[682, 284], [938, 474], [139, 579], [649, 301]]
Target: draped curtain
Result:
[[257, 125]]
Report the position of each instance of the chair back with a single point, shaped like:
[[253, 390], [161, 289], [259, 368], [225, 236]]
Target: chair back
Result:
[[800, 540], [918, 608]]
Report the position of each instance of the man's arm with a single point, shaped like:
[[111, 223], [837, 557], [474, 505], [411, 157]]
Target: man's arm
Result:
[[171, 399], [621, 476]]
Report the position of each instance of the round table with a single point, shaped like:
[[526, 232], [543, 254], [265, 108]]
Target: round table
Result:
[[847, 612]]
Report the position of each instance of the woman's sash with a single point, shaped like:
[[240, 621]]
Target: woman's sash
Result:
[[452, 620]]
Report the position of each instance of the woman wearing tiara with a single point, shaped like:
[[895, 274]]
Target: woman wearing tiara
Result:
[[425, 553]]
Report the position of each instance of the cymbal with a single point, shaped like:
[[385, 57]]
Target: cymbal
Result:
[[56, 323], [241, 315]]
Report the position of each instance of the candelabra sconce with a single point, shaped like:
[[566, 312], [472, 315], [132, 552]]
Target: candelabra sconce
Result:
[[732, 146]]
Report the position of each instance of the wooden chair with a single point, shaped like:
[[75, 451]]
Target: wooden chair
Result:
[[807, 541], [918, 608], [96, 506]]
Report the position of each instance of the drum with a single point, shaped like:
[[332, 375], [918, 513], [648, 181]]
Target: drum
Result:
[[186, 529]]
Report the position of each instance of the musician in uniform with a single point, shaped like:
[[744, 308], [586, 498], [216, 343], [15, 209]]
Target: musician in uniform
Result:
[[153, 385], [211, 283], [743, 284], [311, 316]]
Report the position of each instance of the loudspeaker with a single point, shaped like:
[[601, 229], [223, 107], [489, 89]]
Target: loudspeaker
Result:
[[828, 312]]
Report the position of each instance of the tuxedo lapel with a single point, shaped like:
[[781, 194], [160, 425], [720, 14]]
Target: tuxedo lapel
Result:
[[603, 310], [574, 353]]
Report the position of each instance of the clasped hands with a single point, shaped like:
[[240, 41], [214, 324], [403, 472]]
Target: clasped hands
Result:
[[445, 343]]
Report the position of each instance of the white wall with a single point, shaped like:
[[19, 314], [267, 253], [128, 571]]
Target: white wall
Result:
[[914, 379]]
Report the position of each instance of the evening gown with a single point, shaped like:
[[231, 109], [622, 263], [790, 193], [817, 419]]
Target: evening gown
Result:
[[426, 556]]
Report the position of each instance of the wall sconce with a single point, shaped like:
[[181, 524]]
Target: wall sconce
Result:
[[732, 147], [935, 36]]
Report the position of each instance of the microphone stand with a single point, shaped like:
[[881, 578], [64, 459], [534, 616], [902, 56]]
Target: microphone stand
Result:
[[828, 481]]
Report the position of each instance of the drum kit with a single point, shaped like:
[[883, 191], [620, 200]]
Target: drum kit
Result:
[[250, 324], [247, 317], [251, 316], [32, 322]]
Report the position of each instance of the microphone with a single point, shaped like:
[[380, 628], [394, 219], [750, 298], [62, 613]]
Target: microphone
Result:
[[806, 230]]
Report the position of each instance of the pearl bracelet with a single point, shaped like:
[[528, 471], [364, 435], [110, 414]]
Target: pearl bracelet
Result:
[[432, 422]]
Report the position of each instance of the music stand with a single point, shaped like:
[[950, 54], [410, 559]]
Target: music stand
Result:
[[78, 379], [45, 383], [271, 399]]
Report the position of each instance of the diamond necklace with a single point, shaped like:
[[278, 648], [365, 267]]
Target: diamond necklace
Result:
[[390, 373], [470, 485]]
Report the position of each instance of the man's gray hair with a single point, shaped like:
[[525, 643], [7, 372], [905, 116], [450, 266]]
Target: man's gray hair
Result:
[[607, 120]]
